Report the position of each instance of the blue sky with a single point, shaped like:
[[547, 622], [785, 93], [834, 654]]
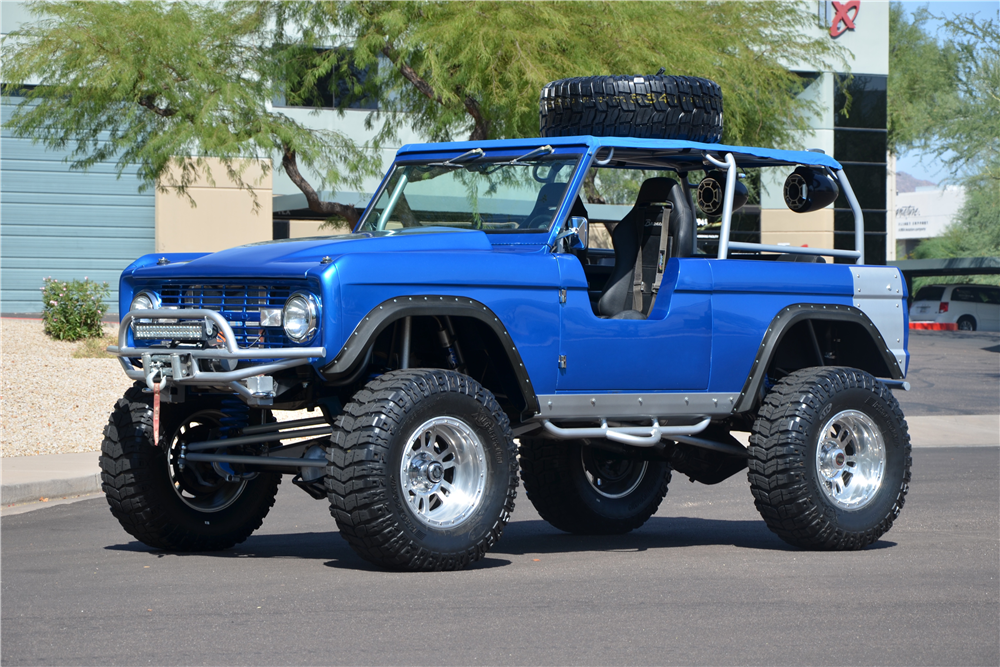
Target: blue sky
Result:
[[916, 164]]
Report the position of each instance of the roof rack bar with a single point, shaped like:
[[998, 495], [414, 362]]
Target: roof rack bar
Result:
[[859, 220]]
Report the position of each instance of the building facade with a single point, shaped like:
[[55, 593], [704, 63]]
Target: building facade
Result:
[[851, 126]]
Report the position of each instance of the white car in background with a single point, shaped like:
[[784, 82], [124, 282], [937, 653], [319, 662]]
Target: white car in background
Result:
[[971, 307]]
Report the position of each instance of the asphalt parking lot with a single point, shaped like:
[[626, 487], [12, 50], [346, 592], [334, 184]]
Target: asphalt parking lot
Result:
[[953, 373], [703, 582]]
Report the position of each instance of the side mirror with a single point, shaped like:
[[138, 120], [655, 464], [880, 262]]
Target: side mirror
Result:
[[808, 190], [582, 229], [712, 194], [576, 237]]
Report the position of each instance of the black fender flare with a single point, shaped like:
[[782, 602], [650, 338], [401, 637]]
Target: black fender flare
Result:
[[381, 316], [794, 314]]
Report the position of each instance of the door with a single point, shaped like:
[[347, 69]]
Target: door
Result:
[[988, 308], [670, 350]]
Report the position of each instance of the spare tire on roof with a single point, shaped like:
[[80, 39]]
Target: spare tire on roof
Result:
[[652, 107]]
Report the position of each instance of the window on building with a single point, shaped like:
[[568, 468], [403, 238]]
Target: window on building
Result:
[[343, 87], [859, 144]]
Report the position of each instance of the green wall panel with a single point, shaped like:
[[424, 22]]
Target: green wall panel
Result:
[[64, 223]]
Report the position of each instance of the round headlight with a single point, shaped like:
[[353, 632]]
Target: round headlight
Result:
[[300, 316], [145, 301]]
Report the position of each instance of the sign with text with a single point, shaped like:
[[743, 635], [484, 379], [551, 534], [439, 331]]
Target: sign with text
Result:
[[924, 215]]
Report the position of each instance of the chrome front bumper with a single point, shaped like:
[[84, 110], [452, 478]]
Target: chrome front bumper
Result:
[[165, 366]]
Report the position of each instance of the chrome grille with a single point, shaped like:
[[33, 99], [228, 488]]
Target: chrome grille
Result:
[[240, 304]]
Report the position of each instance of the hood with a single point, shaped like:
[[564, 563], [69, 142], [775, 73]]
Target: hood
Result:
[[287, 258]]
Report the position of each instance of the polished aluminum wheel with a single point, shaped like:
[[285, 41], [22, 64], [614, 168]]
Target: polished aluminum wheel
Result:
[[610, 476], [200, 485], [850, 459], [443, 472]]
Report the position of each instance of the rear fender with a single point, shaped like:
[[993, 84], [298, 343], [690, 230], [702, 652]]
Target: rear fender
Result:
[[785, 321]]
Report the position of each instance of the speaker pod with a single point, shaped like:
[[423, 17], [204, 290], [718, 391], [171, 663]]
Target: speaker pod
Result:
[[808, 190], [712, 194]]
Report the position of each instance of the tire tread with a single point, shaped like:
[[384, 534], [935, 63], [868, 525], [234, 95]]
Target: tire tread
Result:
[[127, 479], [779, 451], [358, 461], [548, 483], [652, 107]]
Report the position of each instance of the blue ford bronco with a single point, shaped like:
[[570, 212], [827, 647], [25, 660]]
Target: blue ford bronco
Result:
[[488, 296]]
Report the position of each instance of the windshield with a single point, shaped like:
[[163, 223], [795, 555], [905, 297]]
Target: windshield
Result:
[[492, 196]]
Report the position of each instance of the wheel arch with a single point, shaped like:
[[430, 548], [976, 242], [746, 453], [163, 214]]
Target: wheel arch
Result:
[[802, 331], [474, 320]]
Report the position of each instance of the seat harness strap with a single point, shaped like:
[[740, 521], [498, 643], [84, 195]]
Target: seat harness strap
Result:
[[664, 253], [637, 274]]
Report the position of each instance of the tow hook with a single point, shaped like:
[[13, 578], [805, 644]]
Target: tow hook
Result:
[[154, 369]]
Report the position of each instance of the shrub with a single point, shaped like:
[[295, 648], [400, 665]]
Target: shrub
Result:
[[73, 309]]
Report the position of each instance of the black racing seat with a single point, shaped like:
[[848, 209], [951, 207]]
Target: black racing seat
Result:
[[639, 231]]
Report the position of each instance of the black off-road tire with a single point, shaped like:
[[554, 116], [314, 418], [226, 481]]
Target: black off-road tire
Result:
[[784, 467], [371, 441], [137, 485], [650, 107], [556, 481]]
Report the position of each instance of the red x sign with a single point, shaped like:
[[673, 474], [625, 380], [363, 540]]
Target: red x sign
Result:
[[841, 20]]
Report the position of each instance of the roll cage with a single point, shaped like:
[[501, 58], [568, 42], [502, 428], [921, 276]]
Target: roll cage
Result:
[[666, 154]]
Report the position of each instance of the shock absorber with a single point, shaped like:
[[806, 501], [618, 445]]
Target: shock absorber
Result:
[[236, 416], [449, 344]]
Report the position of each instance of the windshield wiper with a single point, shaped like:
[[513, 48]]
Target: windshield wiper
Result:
[[517, 162], [453, 162], [544, 150]]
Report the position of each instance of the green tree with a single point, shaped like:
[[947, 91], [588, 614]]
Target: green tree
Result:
[[944, 99], [962, 130], [475, 69], [976, 233], [968, 130], [152, 83], [922, 80]]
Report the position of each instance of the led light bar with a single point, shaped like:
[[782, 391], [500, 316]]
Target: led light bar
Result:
[[193, 331]]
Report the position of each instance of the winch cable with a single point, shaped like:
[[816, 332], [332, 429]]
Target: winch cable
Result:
[[156, 415]]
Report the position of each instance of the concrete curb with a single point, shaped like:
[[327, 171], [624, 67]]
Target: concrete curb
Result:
[[15, 494], [943, 431], [29, 478], [954, 430]]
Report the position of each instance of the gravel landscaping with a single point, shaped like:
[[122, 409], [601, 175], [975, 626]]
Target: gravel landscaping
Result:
[[50, 402]]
